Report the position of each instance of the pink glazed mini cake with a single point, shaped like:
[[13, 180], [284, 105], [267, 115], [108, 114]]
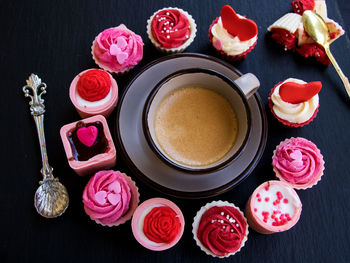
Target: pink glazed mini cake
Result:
[[88, 145], [158, 224], [110, 198], [93, 92], [273, 207]]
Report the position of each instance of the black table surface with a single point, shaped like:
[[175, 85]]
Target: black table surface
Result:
[[53, 39]]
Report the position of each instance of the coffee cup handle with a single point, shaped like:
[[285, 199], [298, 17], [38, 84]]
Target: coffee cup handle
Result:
[[248, 83]]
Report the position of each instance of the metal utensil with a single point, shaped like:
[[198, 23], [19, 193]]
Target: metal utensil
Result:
[[51, 198], [317, 29]]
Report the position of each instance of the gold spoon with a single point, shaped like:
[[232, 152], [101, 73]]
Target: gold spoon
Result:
[[317, 29]]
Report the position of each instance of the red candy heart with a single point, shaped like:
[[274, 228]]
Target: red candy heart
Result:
[[296, 93], [87, 135], [244, 28]]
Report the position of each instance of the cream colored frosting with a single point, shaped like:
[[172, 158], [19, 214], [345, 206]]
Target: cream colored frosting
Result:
[[229, 44], [294, 113]]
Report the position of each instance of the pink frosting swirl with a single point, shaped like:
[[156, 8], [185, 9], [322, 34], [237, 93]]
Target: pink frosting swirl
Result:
[[107, 197], [298, 161], [118, 48]]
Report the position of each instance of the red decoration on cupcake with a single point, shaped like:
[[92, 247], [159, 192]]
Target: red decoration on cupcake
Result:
[[296, 93], [243, 28], [87, 135], [161, 225], [94, 85], [299, 6]]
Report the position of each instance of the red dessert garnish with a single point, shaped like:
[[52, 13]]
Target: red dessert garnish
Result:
[[299, 6], [296, 93], [170, 28], [284, 37], [94, 85], [314, 50], [161, 225], [222, 229], [243, 28], [87, 135]]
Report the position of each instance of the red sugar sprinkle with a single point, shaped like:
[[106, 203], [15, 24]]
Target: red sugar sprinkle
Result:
[[267, 199], [266, 188], [265, 213], [279, 195], [265, 220], [273, 216], [255, 210], [285, 200], [259, 199], [257, 195]]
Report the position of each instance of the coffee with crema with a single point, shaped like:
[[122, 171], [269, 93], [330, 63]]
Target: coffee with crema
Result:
[[195, 126]]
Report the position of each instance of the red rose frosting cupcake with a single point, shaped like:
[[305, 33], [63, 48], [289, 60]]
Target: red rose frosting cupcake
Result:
[[233, 35], [88, 145], [171, 30], [158, 224], [220, 229], [298, 162], [273, 207], [94, 92], [117, 49], [110, 198], [294, 102]]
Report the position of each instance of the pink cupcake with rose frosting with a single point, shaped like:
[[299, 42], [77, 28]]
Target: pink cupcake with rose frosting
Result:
[[110, 198], [298, 162], [117, 49]]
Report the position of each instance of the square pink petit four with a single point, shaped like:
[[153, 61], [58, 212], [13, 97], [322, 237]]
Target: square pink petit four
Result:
[[88, 145]]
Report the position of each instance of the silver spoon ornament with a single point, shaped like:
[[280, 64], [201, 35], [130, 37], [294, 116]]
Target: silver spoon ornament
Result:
[[51, 198]]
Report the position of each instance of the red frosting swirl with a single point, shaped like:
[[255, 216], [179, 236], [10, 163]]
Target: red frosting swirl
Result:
[[222, 230], [284, 37], [170, 28], [161, 225], [94, 85]]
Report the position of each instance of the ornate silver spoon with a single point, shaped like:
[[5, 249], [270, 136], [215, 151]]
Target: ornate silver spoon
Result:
[[51, 198]]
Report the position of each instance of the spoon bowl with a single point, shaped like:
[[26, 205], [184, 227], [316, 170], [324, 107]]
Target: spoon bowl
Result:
[[51, 198], [318, 30]]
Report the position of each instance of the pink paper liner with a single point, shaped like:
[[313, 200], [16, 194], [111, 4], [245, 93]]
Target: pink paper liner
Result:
[[139, 211], [174, 50], [299, 186], [106, 68], [258, 225], [230, 58], [284, 122], [105, 109], [98, 162], [196, 222], [134, 201]]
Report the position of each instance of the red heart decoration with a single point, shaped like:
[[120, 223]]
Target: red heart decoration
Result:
[[296, 93], [244, 28], [87, 135]]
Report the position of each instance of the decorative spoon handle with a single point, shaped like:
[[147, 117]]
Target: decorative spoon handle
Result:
[[37, 108], [338, 69]]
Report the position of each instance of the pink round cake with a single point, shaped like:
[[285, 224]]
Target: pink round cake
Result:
[[158, 224], [117, 49], [273, 207], [94, 92], [298, 162], [110, 198]]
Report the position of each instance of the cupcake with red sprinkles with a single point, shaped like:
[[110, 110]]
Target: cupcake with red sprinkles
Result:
[[298, 162], [117, 49], [94, 92], [158, 224], [220, 229], [295, 102], [233, 35], [171, 29], [273, 207]]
